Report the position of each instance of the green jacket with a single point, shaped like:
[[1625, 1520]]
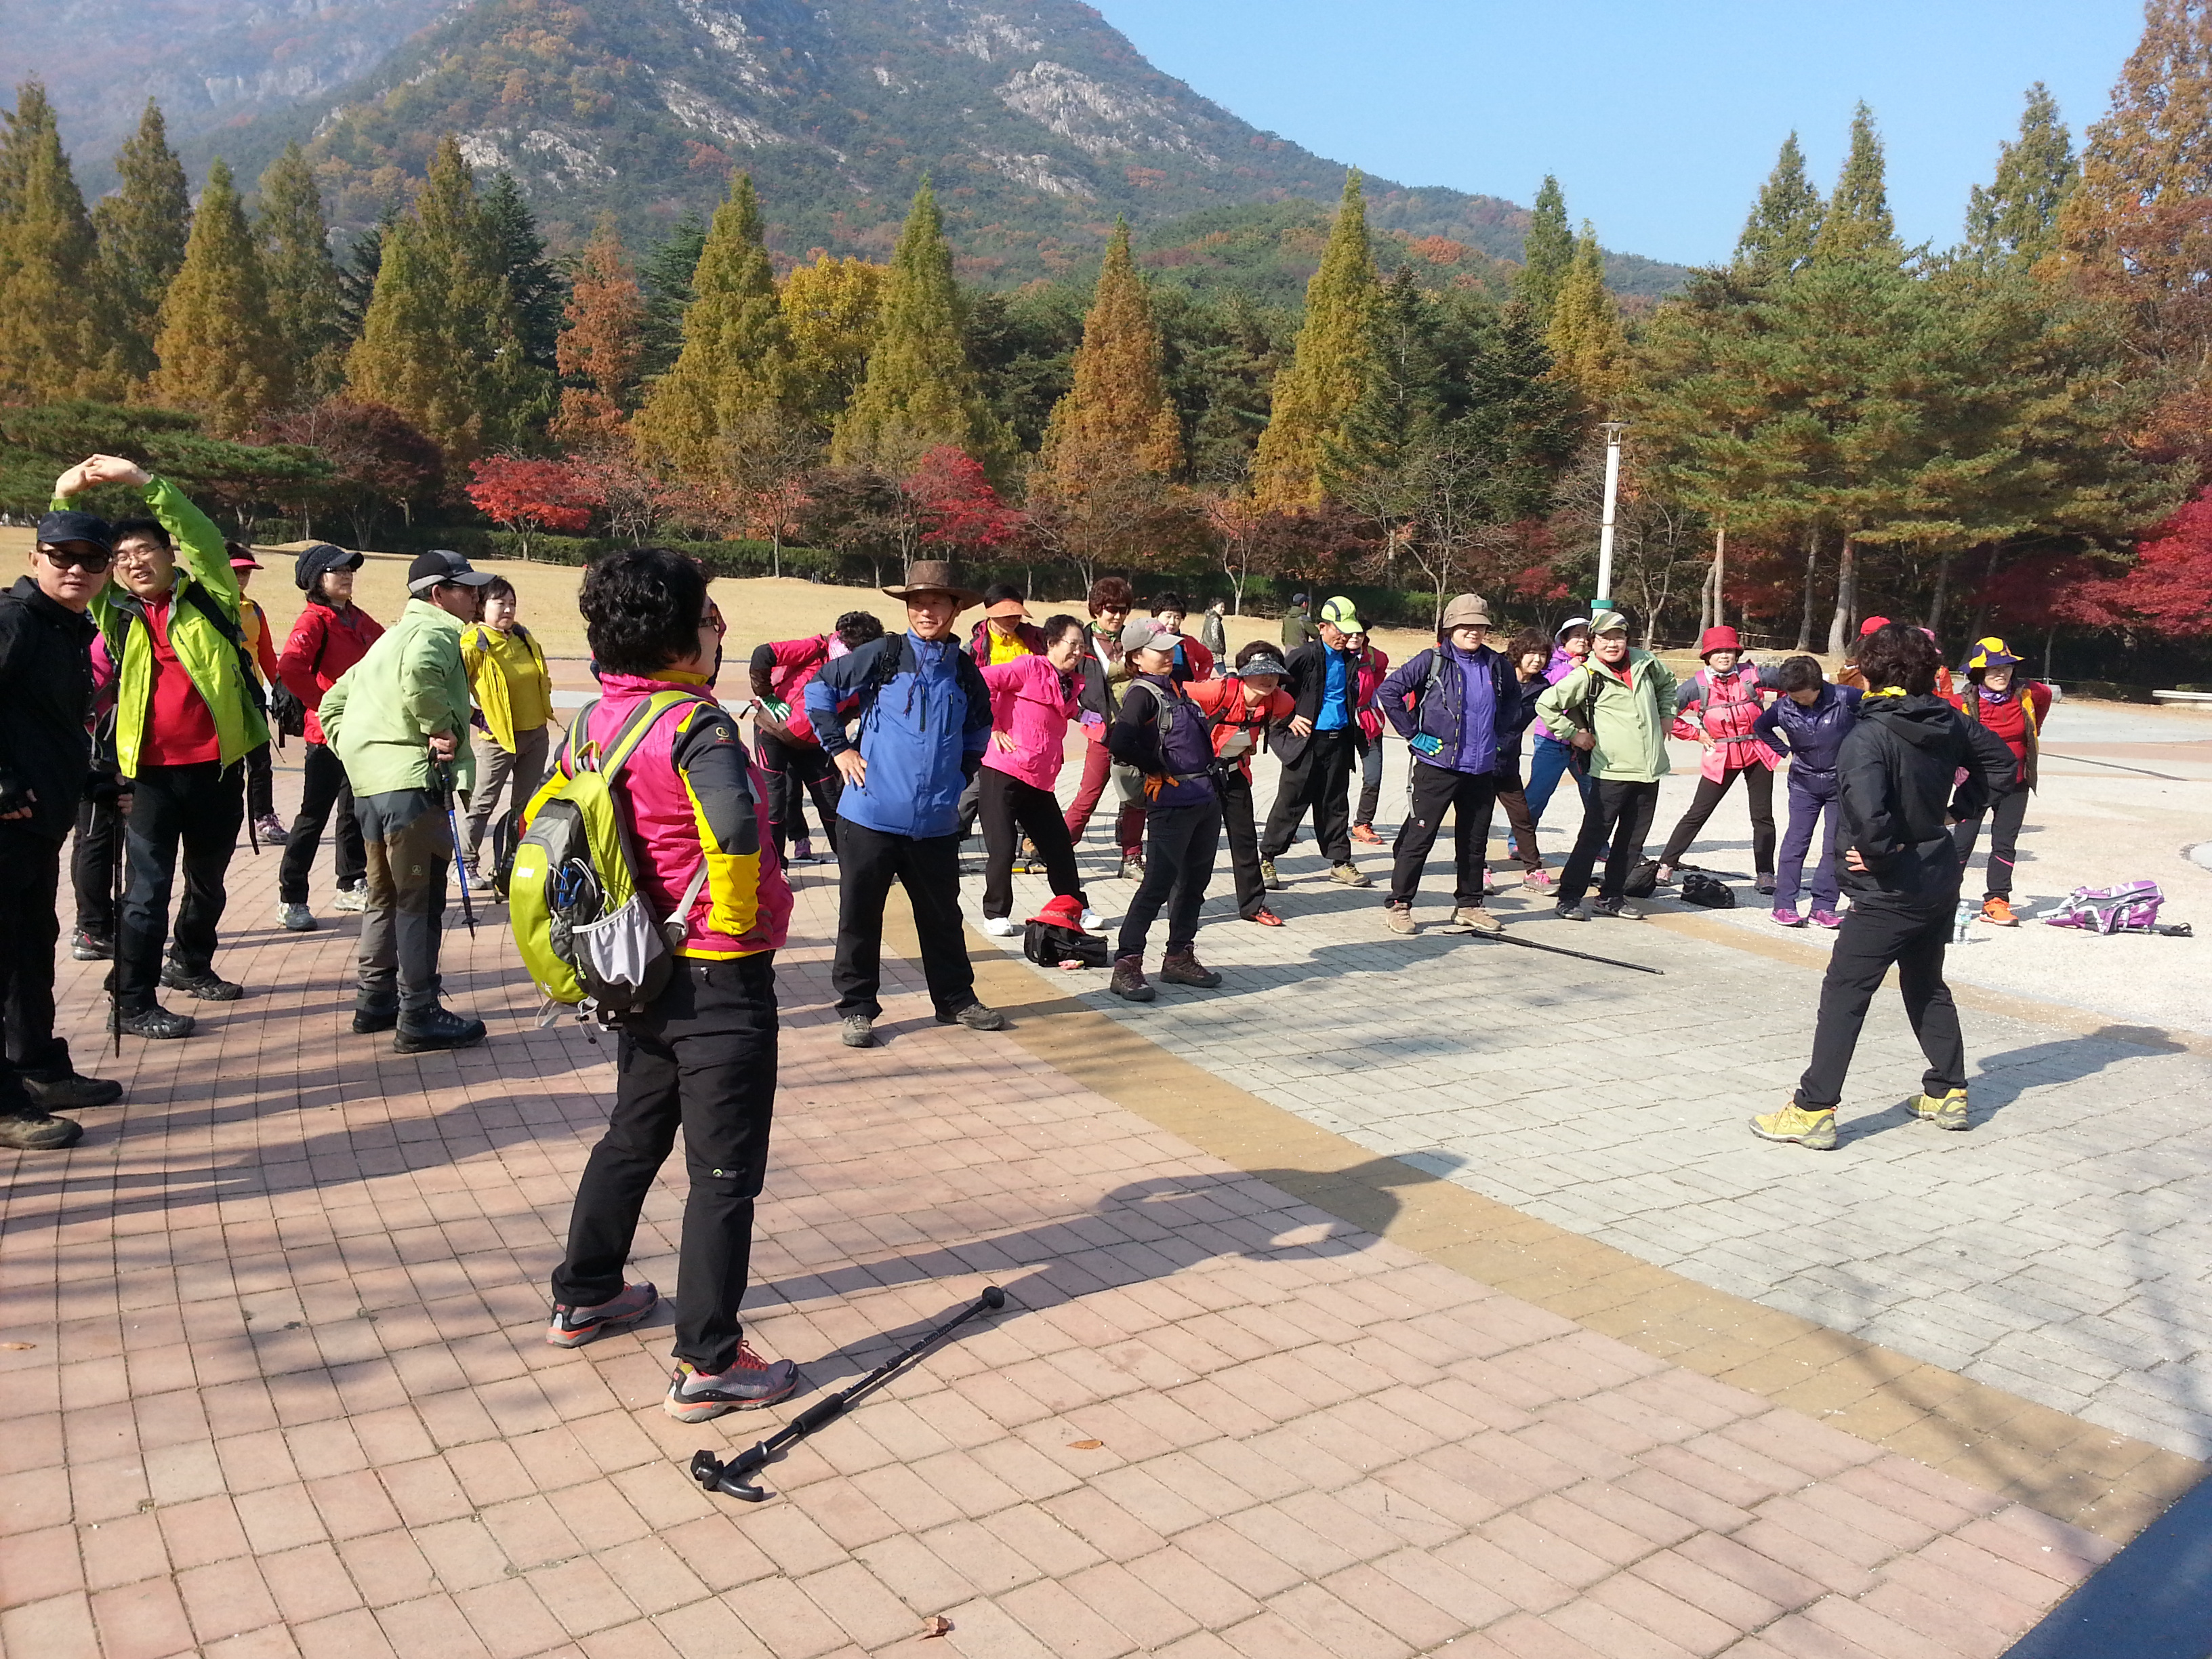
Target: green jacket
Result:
[[210, 657], [379, 716], [1630, 719]]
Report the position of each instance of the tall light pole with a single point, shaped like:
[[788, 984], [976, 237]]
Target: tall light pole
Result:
[[1613, 429]]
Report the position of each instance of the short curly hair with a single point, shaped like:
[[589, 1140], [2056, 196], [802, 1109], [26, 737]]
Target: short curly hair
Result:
[[1899, 654], [642, 609], [1112, 593]]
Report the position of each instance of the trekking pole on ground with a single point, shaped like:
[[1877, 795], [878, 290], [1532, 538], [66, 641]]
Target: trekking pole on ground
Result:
[[454, 824], [1562, 951], [730, 1478], [115, 937]]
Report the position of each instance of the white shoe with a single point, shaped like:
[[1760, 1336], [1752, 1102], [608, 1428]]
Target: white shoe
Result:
[[1001, 926], [1089, 921], [353, 900]]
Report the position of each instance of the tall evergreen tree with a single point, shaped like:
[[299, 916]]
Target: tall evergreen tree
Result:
[[833, 310], [599, 349], [2016, 220], [305, 312], [217, 352], [666, 273], [357, 277], [52, 343], [1328, 369], [1858, 222], [1117, 412], [517, 251], [1401, 401], [921, 391], [142, 229], [736, 362], [1548, 250], [1778, 237], [1586, 336]]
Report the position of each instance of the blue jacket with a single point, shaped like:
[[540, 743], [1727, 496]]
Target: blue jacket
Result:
[[1813, 736], [1438, 714], [925, 716]]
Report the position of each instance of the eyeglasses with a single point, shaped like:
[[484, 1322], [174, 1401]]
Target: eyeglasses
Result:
[[62, 558], [715, 620]]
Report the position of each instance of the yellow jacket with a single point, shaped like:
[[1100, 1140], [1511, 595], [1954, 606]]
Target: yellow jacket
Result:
[[488, 678]]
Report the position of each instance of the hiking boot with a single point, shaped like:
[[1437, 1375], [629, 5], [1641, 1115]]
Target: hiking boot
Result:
[[1133, 866], [1129, 983], [157, 1023], [72, 1093], [976, 1018], [1349, 875], [352, 900], [1475, 918], [857, 1031], [1265, 917], [1827, 919], [435, 1028], [1365, 834], [202, 986], [1539, 879], [1183, 968], [1788, 918], [1268, 879], [374, 1014], [1618, 908], [1764, 884], [1566, 912], [750, 1381], [802, 851], [1998, 912], [1816, 1130], [1398, 918], [270, 829], [32, 1129], [85, 945], [572, 1328], [295, 918], [1948, 1112]]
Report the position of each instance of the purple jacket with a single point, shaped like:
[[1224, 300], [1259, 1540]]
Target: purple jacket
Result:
[[1813, 736]]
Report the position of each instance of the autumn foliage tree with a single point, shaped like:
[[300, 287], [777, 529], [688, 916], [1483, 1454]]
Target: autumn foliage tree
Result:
[[218, 354], [598, 350], [378, 459], [531, 497], [961, 513]]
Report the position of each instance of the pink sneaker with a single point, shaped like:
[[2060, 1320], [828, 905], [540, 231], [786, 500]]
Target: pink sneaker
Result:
[[1788, 918], [1536, 878], [1827, 919]]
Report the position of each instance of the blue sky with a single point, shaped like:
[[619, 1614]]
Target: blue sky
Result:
[[1660, 119]]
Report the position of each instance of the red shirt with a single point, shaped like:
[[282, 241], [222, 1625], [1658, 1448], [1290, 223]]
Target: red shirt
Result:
[[179, 726]]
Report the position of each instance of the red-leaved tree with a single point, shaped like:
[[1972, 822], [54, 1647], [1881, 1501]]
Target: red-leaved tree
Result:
[[961, 513], [530, 497], [2169, 587]]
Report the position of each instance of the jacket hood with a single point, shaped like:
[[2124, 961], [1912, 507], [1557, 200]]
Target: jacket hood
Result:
[[1922, 721]]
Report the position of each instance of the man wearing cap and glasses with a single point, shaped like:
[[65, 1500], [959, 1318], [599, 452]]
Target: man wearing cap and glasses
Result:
[[330, 635], [1320, 748], [187, 713], [398, 722], [925, 716], [45, 686]]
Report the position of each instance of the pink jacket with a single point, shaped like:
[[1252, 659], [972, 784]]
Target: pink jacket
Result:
[[1031, 701], [1727, 706], [694, 792]]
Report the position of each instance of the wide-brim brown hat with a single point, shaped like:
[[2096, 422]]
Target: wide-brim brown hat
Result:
[[934, 576]]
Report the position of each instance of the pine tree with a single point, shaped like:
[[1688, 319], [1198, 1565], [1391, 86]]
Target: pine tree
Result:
[[1857, 223], [833, 310], [142, 230], [517, 251], [1402, 400], [1328, 369], [1778, 237], [600, 347], [736, 360], [51, 345], [357, 277], [2015, 221], [1548, 249], [216, 348], [305, 302], [666, 273], [1117, 411], [1586, 337], [920, 391]]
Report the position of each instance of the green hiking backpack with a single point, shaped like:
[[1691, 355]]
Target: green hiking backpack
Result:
[[580, 921]]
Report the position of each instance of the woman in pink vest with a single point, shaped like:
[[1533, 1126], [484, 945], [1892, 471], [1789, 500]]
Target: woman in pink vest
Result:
[[1718, 705], [1032, 700]]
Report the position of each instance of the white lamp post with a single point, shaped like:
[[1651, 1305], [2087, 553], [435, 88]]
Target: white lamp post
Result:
[[1603, 600]]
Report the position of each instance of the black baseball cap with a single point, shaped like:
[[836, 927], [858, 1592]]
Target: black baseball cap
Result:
[[441, 565], [56, 528]]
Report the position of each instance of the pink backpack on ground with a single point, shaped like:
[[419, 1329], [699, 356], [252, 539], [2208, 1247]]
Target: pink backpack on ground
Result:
[[2129, 908]]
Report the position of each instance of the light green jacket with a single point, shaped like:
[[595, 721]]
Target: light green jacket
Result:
[[379, 716], [210, 659], [1628, 719]]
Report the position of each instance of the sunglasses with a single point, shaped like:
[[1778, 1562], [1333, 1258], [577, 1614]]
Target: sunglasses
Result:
[[714, 617], [62, 558]]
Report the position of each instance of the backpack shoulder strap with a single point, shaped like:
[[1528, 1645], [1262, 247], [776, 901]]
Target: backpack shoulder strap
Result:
[[635, 730]]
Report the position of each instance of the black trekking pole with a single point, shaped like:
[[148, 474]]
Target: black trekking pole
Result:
[[115, 935], [454, 824], [731, 1479], [1562, 951]]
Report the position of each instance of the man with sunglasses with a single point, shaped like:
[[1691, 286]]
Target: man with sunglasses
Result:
[[46, 760]]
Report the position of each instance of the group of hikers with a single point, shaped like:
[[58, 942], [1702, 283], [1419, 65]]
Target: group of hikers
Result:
[[142, 683]]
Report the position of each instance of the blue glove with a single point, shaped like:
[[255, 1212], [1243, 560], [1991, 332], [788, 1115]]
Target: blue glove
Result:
[[1426, 747]]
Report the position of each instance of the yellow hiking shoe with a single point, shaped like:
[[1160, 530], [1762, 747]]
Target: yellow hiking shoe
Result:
[[1793, 1122], [1949, 1113]]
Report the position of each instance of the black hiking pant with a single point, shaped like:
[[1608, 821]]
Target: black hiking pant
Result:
[[1618, 816], [1876, 934], [1242, 829], [1470, 798], [1010, 808], [260, 782], [796, 770], [185, 817], [1319, 781], [701, 1057], [928, 867], [323, 786], [2006, 815], [1758, 785], [30, 931], [1179, 848], [92, 865]]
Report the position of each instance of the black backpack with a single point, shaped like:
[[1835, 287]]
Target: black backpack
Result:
[[1711, 892], [1049, 945]]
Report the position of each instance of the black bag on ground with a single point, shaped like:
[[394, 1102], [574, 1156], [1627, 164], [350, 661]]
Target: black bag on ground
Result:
[[1049, 945], [1698, 888], [1644, 880]]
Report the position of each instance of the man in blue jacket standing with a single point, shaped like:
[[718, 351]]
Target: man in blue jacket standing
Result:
[[1466, 710], [925, 716]]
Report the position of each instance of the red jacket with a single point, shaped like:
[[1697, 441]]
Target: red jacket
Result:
[[1374, 667], [780, 670], [2017, 717], [324, 645], [1229, 715]]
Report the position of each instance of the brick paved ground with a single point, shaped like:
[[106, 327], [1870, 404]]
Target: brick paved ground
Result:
[[285, 1390]]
